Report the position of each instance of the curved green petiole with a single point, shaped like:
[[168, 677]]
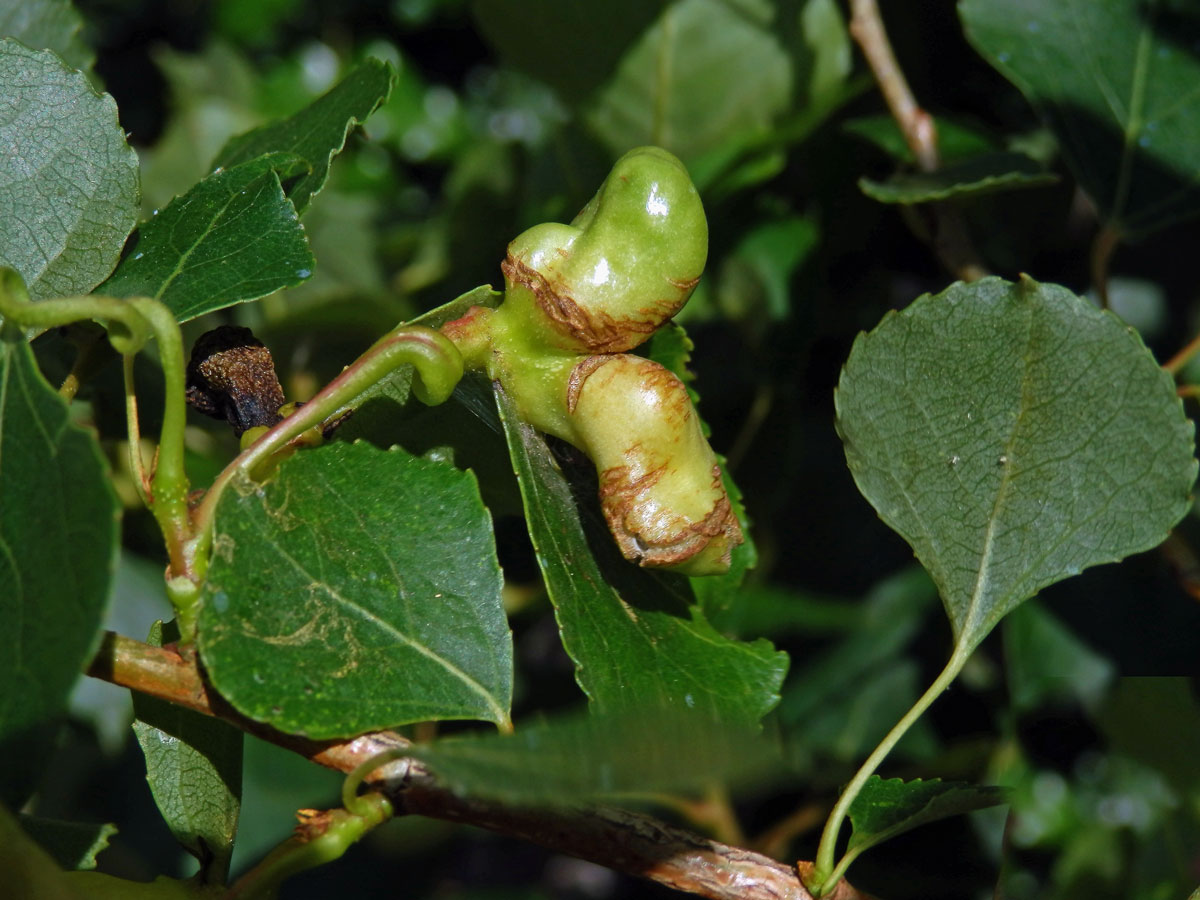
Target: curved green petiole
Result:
[[438, 369], [130, 323]]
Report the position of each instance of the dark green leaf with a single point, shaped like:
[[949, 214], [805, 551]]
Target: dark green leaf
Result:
[[1116, 80], [953, 141], [756, 278], [884, 809], [58, 551], [1045, 662], [987, 174], [638, 638], [1014, 435], [671, 348], [1138, 714], [579, 758], [47, 25], [231, 238], [357, 590], [318, 132], [194, 768], [842, 700], [702, 72], [68, 180], [555, 50], [73, 845]]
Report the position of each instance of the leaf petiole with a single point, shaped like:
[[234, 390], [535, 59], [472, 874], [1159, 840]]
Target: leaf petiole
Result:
[[826, 873]]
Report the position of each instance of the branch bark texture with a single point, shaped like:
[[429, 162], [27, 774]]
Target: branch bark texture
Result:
[[618, 839]]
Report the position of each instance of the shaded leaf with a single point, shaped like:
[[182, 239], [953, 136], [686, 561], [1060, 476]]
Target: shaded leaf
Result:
[[194, 768], [1013, 435], [953, 141], [68, 180], [1116, 81], [318, 132], [886, 808], [1137, 714], [73, 845], [48, 25], [231, 238], [702, 72], [987, 174], [671, 348], [637, 637], [552, 51], [357, 590], [586, 757], [826, 53], [58, 551], [1044, 661]]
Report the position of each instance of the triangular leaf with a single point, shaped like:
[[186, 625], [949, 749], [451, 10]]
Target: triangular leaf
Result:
[[357, 590], [233, 237], [638, 638], [68, 180], [58, 551], [194, 768], [1117, 83], [1014, 435], [318, 132], [884, 809], [986, 174]]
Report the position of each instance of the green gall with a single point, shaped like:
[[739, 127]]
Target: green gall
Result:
[[625, 265]]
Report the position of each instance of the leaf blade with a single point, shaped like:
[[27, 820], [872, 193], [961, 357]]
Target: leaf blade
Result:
[[637, 637], [233, 237], [68, 182], [319, 131], [1118, 90], [58, 505], [194, 769], [886, 808], [332, 608], [1013, 435]]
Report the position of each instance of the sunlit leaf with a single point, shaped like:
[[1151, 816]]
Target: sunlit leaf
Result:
[[357, 590], [637, 637], [231, 238], [68, 179]]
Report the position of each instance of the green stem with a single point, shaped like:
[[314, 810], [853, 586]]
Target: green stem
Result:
[[130, 323], [439, 368], [825, 872], [169, 485], [350, 797], [323, 838]]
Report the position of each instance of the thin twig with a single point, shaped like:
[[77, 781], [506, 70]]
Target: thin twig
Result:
[[1180, 359], [950, 239], [618, 839]]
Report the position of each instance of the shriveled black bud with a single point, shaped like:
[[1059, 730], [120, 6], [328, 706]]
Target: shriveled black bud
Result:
[[231, 376]]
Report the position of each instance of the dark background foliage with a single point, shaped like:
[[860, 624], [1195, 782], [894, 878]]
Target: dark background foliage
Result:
[[472, 148]]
